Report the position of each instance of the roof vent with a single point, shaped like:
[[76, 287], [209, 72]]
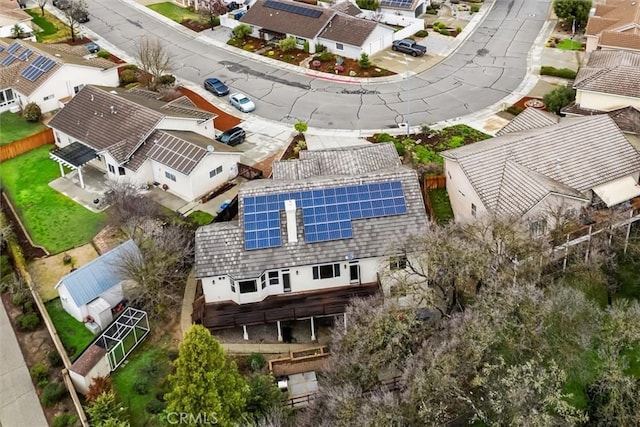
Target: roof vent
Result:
[[113, 110], [91, 97], [58, 55], [290, 210], [210, 148]]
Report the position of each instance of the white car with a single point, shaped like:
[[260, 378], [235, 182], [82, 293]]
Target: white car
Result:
[[242, 102]]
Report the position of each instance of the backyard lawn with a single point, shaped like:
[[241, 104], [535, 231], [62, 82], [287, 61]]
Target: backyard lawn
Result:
[[441, 205], [174, 12], [73, 334], [52, 219], [201, 218], [568, 44], [14, 127], [53, 29]]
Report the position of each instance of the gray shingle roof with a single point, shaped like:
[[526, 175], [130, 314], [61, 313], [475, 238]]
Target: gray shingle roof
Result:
[[220, 246], [627, 118], [615, 72], [572, 156], [98, 276], [530, 118], [349, 30]]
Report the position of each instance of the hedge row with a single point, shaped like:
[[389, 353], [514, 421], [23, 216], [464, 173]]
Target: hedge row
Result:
[[565, 73]]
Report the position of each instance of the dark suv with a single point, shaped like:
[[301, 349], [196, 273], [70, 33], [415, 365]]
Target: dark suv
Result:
[[233, 136]]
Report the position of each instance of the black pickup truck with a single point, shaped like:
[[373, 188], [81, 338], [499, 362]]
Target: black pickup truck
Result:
[[409, 46]]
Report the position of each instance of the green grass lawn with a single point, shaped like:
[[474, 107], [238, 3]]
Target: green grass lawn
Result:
[[75, 337], [52, 219], [53, 29], [14, 127], [441, 205], [47, 27], [174, 12], [201, 218], [568, 44], [149, 363], [629, 279]]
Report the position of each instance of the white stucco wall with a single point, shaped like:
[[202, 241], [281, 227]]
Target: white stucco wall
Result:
[[61, 83], [604, 101], [461, 193], [6, 28], [202, 183], [554, 203], [592, 43], [380, 39], [205, 128]]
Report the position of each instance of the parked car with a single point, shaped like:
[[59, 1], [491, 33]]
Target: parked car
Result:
[[242, 102], [92, 47], [233, 136], [62, 4], [216, 87], [409, 46]]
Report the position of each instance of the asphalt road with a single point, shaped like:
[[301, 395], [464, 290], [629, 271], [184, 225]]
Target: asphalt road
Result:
[[488, 66]]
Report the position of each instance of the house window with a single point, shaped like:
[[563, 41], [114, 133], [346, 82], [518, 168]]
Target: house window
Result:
[[112, 169], [248, 286], [215, 172], [77, 89], [121, 170], [48, 97], [274, 278], [327, 271], [233, 287], [461, 193], [170, 176], [6, 97], [473, 210], [398, 262], [539, 227], [300, 42], [263, 280], [339, 46]]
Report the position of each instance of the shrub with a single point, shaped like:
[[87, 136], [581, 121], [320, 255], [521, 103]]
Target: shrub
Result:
[[385, 137], [32, 112], [52, 393], [242, 31], [141, 386], [514, 110], [320, 48], [55, 360], [256, 362], [39, 373], [475, 8], [128, 76], [565, 73], [167, 79], [287, 44], [28, 322], [104, 54], [129, 67], [64, 420], [326, 56], [422, 33], [131, 85], [20, 297], [173, 354], [98, 386], [305, 46], [155, 406], [368, 4], [364, 61], [5, 266], [445, 32], [436, 25], [28, 306], [150, 368], [301, 127], [458, 30]]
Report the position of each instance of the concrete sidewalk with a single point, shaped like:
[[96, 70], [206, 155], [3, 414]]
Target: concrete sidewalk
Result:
[[19, 404]]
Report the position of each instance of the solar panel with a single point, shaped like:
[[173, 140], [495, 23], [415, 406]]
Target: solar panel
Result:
[[13, 47], [292, 8], [47, 64], [39, 60], [262, 222], [1, 48], [403, 4], [38, 67], [25, 54], [8, 60]]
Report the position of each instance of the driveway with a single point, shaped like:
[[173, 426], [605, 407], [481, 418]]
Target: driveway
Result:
[[487, 67]]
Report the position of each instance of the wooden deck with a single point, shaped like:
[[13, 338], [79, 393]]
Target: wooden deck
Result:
[[228, 314]]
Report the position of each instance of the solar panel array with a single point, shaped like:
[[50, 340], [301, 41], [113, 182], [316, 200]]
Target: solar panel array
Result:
[[326, 213], [293, 8], [8, 60], [402, 4], [37, 68], [25, 54], [11, 54], [13, 47]]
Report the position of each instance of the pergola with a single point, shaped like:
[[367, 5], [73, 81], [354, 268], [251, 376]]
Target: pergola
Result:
[[124, 335], [73, 156]]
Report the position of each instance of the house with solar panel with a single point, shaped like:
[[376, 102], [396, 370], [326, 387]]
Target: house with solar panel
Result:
[[404, 8], [134, 136], [336, 28], [92, 293], [48, 73], [309, 239]]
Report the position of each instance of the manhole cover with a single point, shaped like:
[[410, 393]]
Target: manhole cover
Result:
[[534, 103]]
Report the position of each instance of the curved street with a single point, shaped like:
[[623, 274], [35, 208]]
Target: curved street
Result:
[[489, 65]]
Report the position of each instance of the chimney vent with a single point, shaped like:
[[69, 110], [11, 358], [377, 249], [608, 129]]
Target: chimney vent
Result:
[[113, 110], [290, 210]]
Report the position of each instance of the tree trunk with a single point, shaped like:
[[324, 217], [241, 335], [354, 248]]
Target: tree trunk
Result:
[[42, 10]]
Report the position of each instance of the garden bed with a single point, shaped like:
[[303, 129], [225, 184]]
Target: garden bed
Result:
[[293, 56], [182, 16], [348, 67]]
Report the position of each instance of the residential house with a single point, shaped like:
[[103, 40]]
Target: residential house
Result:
[[47, 73], [341, 33], [539, 164], [404, 8], [93, 292], [310, 238], [11, 14], [133, 136], [615, 24]]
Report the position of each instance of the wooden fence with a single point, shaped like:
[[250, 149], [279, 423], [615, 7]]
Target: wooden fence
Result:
[[24, 145], [435, 182]]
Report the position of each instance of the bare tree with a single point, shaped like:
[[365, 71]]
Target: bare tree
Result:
[[73, 15], [130, 208], [41, 4], [153, 59], [210, 9]]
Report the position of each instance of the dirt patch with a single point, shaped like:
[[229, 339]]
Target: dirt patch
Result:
[[107, 239], [294, 56], [28, 250], [47, 272], [224, 120], [347, 67], [529, 101], [196, 26]]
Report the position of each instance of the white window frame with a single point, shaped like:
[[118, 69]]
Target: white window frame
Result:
[[216, 171], [170, 176], [339, 46], [321, 272]]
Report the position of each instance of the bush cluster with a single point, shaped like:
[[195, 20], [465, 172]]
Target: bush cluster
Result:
[[64, 420], [32, 112], [128, 76], [40, 374], [155, 406], [104, 54], [422, 33], [475, 9], [55, 360], [256, 362], [53, 393], [28, 322], [565, 73]]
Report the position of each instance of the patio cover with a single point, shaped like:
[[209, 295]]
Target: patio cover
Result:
[[618, 191], [74, 155]]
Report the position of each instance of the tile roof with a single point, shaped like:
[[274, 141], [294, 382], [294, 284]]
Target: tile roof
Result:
[[623, 40], [220, 246], [614, 15], [106, 121], [10, 11], [627, 118], [348, 30], [288, 22], [571, 156], [88, 359], [347, 7], [10, 76], [530, 118], [179, 107], [615, 72], [98, 276]]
